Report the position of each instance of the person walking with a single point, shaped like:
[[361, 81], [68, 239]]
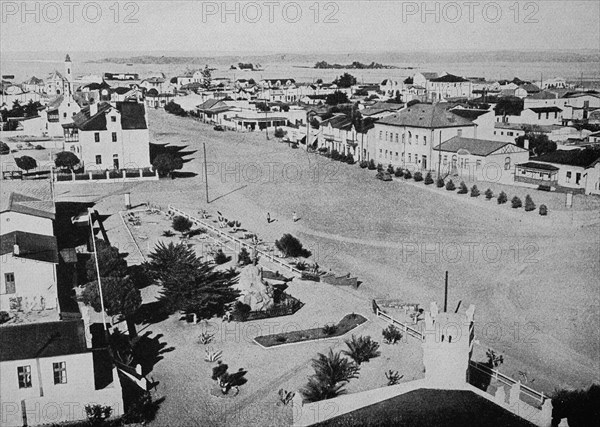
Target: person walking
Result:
[[268, 218], [294, 217]]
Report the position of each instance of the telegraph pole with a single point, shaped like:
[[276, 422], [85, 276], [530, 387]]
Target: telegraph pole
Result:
[[446, 294], [205, 172]]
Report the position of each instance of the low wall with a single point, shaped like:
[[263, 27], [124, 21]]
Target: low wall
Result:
[[105, 177]]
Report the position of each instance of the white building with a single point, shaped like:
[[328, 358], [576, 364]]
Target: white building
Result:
[[110, 136]]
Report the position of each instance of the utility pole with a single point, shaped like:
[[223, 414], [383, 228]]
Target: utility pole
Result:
[[205, 172], [446, 294]]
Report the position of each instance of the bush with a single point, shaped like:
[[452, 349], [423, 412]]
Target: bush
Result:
[[4, 317], [440, 182], [371, 166], [418, 177], [343, 158], [450, 186], [462, 188], [502, 198], [26, 163], [4, 149], [290, 246], [166, 163], [428, 179], [489, 194], [66, 160], [181, 224], [379, 167], [168, 233], [335, 155], [40, 147], [330, 329], [393, 377], [294, 145], [529, 205], [363, 164], [399, 172], [244, 257], [362, 349], [350, 159], [279, 133], [543, 210], [220, 257], [241, 311], [516, 202], [390, 169], [407, 174], [97, 414], [391, 334], [474, 191]]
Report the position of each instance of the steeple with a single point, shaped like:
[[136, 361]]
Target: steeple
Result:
[[68, 88]]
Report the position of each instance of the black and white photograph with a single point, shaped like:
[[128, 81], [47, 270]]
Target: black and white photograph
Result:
[[369, 213]]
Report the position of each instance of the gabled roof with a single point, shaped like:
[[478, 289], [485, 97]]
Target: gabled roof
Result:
[[45, 339], [213, 106], [37, 247], [132, 116], [449, 78], [550, 109], [340, 121], [529, 87], [27, 197], [544, 94], [430, 116], [96, 86], [476, 147], [468, 113], [55, 75], [581, 158], [55, 103], [429, 75], [34, 81]]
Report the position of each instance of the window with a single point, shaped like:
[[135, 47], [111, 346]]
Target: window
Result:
[[98, 159], [380, 134], [510, 133], [60, 372], [65, 115], [478, 164], [9, 283], [507, 163], [96, 136], [397, 140], [424, 140], [24, 374], [403, 138], [416, 139], [409, 158], [114, 118], [494, 132], [409, 137], [445, 159], [114, 137], [386, 135], [459, 132], [577, 178], [396, 155]]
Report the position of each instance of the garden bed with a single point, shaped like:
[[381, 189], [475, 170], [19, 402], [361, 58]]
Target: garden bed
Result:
[[348, 323]]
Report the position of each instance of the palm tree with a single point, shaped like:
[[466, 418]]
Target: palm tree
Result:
[[362, 349], [168, 259], [332, 372]]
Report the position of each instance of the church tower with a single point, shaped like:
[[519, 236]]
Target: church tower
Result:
[[68, 77]]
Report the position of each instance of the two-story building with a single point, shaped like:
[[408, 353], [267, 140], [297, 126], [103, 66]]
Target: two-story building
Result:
[[110, 136], [409, 137]]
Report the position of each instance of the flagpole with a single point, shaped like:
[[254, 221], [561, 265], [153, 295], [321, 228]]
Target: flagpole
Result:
[[97, 271]]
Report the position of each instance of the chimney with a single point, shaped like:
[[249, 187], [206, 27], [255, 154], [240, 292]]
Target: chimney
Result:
[[16, 249], [93, 109]]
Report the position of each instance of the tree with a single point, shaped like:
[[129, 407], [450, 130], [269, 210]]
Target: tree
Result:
[[206, 77], [244, 257], [110, 261], [539, 143], [336, 98], [450, 186], [543, 210], [502, 198], [529, 205], [489, 194], [462, 188], [26, 163], [181, 224], [474, 191], [371, 166], [290, 246], [167, 261], [428, 179], [31, 108], [332, 373], [407, 174], [509, 105], [362, 349], [345, 81], [418, 177], [579, 407], [440, 182], [263, 106], [319, 81], [279, 133], [66, 160], [516, 202], [4, 149], [391, 334], [494, 360], [166, 163], [173, 108], [121, 297]]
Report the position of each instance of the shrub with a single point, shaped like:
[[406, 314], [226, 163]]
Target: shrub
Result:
[[332, 372], [399, 172], [335, 155], [168, 233], [290, 246], [362, 349], [418, 176], [371, 166], [440, 182], [212, 356], [4, 148], [350, 159], [462, 188], [221, 258], [4, 317], [294, 145], [181, 224], [97, 414], [330, 329], [205, 338], [26, 163], [241, 311], [166, 163], [66, 160], [428, 179], [450, 186], [285, 396], [516, 202], [379, 167], [543, 210], [279, 133], [40, 147], [502, 198], [407, 174], [244, 257], [390, 169], [474, 191], [363, 164], [393, 377], [391, 334], [489, 194], [195, 232], [529, 205]]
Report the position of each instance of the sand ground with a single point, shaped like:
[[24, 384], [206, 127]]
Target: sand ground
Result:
[[534, 280]]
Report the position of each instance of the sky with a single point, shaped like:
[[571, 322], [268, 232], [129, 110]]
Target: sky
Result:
[[298, 27]]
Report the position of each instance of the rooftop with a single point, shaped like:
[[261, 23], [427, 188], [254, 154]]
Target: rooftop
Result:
[[429, 116], [581, 158], [27, 197], [37, 247], [476, 147], [449, 78], [42, 340], [539, 166], [551, 109], [132, 116]]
